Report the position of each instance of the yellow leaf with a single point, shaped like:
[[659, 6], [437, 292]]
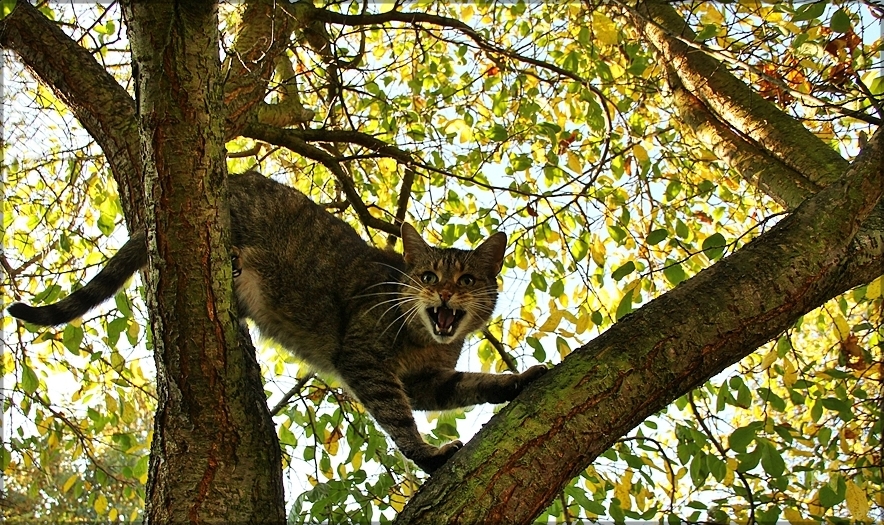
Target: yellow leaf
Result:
[[768, 359], [790, 373], [467, 12], [793, 516], [551, 322], [397, 501], [621, 490], [841, 326], [112, 515], [574, 162], [874, 289], [100, 504], [604, 30], [132, 329], [582, 323], [598, 252], [857, 502], [70, 483], [640, 153], [386, 166]]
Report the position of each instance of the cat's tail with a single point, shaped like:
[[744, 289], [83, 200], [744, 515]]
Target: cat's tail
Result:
[[128, 260]]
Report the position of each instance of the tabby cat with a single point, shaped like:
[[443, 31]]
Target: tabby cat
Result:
[[389, 326]]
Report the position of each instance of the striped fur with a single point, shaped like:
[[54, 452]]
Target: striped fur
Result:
[[391, 327]]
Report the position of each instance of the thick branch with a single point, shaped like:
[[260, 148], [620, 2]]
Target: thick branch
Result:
[[733, 101], [214, 452], [785, 185], [263, 35], [101, 105], [648, 359]]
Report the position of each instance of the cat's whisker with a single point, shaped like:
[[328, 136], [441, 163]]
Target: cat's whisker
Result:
[[400, 271], [411, 310]]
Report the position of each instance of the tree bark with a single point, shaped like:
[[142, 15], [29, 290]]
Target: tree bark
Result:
[[215, 454]]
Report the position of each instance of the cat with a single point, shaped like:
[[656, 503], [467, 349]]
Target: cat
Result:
[[390, 326]]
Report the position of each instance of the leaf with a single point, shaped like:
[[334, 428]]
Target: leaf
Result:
[[575, 163], [840, 22], [604, 30], [72, 337], [714, 245], [552, 321], [741, 437], [809, 11], [857, 501], [674, 273], [623, 270], [771, 460], [29, 381], [100, 504], [625, 306], [6, 7], [657, 236]]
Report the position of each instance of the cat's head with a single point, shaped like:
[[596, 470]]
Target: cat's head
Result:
[[452, 291]]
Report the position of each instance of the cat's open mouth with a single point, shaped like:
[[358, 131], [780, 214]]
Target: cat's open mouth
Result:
[[444, 319]]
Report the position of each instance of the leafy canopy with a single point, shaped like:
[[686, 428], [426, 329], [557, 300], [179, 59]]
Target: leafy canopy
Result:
[[551, 121]]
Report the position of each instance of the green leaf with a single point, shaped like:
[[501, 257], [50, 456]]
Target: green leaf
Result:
[[840, 22], [72, 337], [617, 233], [708, 31], [657, 236], [539, 281], [623, 270], [809, 11], [771, 459], [6, 7], [674, 273], [741, 437], [829, 498], [29, 381], [557, 289], [539, 352], [714, 245], [625, 306]]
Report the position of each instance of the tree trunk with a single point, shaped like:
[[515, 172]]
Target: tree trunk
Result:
[[215, 454]]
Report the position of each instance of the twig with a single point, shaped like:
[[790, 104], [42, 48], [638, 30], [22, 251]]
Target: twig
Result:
[[495, 342], [290, 394]]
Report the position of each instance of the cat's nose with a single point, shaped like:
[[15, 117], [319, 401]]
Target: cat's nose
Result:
[[445, 295]]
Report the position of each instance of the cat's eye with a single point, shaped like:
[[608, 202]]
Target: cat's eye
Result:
[[429, 278], [466, 280]]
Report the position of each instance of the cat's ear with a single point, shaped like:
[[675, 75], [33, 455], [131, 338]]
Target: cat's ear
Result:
[[493, 250], [412, 243]]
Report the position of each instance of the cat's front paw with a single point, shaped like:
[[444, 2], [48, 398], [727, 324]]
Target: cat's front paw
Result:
[[433, 458], [529, 376]]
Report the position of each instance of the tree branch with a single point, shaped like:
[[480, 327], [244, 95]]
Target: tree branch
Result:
[[290, 140], [734, 101], [101, 105], [261, 38]]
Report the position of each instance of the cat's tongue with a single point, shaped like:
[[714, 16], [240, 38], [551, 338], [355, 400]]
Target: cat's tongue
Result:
[[444, 319]]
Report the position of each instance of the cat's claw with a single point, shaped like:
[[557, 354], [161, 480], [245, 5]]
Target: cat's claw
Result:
[[439, 456]]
